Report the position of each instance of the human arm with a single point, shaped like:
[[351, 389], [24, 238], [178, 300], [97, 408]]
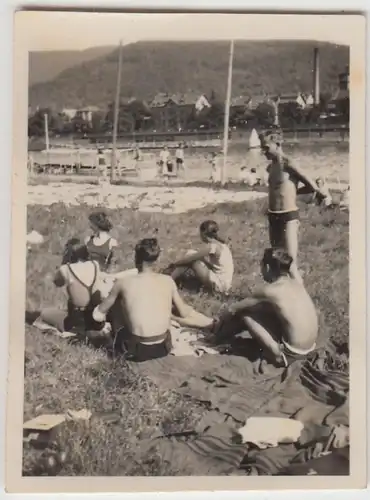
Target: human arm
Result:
[[259, 296], [101, 310], [192, 257], [59, 278], [179, 304]]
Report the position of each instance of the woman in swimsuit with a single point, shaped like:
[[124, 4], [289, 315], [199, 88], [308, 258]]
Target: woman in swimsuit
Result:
[[100, 244], [80, 276]]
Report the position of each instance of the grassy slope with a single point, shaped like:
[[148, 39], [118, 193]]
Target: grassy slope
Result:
[[60, 376], [151, 67], [44, 66]]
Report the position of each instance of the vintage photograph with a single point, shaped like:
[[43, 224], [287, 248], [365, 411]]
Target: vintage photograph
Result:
[[186, 240]]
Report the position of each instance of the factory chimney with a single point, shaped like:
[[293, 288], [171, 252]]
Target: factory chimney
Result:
[[316, 76]]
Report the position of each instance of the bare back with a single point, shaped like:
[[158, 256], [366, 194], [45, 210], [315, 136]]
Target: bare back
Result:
[[295, 310], [147, 303]]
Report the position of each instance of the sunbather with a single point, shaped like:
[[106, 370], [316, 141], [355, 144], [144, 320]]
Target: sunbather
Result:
[[212, 264], [81, 277], [281, 316], [141, 307]]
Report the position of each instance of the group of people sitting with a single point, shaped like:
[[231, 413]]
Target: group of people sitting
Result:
[[133, 310]]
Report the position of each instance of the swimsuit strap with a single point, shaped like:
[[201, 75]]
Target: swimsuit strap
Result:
[[88, 287]]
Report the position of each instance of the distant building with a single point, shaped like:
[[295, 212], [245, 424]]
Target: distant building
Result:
[[339, 101], [71, 113], [309, 99], [87, 113], [284, 99], [172, 111], [240, 102], [256, 100]]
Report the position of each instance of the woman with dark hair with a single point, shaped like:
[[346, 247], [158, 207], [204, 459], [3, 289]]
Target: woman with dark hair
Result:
[[212, 264], [81, 277], [100, 244]]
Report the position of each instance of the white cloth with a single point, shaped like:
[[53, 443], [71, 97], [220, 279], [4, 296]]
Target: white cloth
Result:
[[221, 265], [267, 432], [34, 238], [188, 342]]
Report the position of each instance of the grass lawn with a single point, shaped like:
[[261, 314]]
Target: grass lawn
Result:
[[61, 376]]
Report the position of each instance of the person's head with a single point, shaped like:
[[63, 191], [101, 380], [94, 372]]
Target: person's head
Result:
[[75, 251], [275, 263], [165, 148], [271, 144], [99, 222], [147, 252], [209, 231], [319, 182]]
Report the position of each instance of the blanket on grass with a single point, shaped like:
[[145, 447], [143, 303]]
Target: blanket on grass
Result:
[[232, 390]]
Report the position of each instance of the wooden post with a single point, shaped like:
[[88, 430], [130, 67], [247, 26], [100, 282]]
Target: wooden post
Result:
[[116, 114], [46, 126], [227, 112]]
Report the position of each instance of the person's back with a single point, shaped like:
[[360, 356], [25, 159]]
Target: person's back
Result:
[[221, 261], [295, 308], [147, 302], [81, 279]]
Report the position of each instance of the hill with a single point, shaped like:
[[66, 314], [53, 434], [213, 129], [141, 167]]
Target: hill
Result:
[[45, 66], [151, 67]]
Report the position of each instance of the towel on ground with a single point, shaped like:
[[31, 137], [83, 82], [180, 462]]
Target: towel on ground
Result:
[[268, 432], [188, 342]]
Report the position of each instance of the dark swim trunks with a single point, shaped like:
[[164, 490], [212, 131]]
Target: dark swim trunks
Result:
[[281, 218], [136, 350], [291, 354]]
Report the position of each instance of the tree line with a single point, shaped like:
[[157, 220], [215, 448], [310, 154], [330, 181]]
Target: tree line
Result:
[[136, 116]]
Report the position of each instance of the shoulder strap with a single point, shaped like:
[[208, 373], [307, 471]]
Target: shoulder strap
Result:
[[88, 287], [94, 279]]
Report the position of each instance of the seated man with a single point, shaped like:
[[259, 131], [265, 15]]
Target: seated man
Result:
[[141, 307], [281, 316]]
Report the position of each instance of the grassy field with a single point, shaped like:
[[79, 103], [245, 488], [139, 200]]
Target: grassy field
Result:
[[61, 376]]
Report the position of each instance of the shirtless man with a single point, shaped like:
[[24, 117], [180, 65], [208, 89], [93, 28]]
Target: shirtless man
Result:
[[142, 307], [281, 316], [283, 181]]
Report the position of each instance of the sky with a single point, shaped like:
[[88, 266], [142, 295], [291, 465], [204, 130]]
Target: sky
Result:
[[81, 30]]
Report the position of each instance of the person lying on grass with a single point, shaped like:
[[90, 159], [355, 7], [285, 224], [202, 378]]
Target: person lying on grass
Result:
[[141, 308], [328, 200], [81, 277], [212, 264], [283, 182], [281, 316]]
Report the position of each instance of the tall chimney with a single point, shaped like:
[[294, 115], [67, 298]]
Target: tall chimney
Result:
[[316, 76]]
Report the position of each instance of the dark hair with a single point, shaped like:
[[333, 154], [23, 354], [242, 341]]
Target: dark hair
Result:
[[74, 251], [101, 221], [278, 260], [210, 229], [147, 250], [253, 170]]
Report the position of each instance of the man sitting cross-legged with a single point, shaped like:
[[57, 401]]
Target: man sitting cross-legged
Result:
[[141, 307], [281, 316]]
